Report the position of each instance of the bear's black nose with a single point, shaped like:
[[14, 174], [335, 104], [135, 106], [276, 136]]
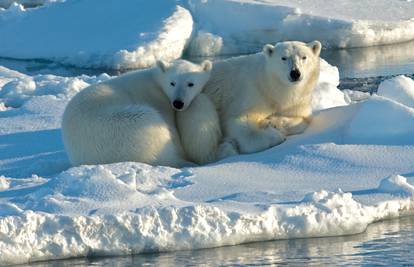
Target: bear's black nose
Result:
[[178, 104], [295, 75]]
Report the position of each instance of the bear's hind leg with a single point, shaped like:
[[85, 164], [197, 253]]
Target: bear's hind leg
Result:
[[126, 133]]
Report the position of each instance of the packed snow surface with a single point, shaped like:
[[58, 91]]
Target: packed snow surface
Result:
[[353, 166], [133, 34]]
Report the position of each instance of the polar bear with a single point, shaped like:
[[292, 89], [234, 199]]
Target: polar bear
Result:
[[200, 131], [197, 120], [130, 118], [261, 98]]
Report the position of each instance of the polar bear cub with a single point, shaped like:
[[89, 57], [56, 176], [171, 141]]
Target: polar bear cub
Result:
[[197, 120], [129, 118], [261, 98], [200, 131]]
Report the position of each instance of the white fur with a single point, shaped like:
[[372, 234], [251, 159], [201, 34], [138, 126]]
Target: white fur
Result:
[[258, 104], [199, 128], [130, 118]]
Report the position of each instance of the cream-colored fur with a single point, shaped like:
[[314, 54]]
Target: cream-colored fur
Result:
[[199, 128], [257, 101], [130, 118]]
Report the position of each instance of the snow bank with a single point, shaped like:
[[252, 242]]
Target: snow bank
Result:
[[190, 227], [16, 88], [106, 34], [326, 93], [399, 89], [244, 26], [352, 167], [393, 127], [98, 34]]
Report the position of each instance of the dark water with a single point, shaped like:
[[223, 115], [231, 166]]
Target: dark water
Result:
[[387, 243]]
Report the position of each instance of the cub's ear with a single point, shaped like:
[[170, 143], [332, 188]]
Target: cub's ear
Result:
[[207, 65], [163, 66], [269, 50], [316, 47]]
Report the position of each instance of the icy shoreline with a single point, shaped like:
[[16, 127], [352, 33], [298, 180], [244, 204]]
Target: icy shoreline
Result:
[[168, 229]]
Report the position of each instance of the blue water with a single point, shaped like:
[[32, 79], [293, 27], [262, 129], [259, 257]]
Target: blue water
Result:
[[387, 243]]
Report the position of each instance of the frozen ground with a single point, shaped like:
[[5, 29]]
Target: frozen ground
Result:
[[106, 34], [352, 167]]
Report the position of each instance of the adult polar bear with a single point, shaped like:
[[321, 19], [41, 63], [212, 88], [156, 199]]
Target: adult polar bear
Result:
[[261, 98], [130, 118]]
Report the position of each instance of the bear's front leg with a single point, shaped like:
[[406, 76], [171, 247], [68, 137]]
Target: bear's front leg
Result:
[[287, 125], [250, 137]]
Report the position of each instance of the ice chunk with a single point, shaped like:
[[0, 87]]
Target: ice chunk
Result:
[[399, 89], [326, 93], [4, 183], [99, 34], [397, 185], [345, 24], [382, 121]]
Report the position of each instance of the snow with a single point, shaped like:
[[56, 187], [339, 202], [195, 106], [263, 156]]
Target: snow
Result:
[[397, 185], [106, 34], [394, 127], [17, 88], [352, 167], [326, 93], [335, 179], [4, 183], [253, 23], [399, 89]]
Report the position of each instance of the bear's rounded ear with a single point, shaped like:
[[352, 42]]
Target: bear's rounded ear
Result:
[[162, 65], [207, 65], [268, 50], [316, 47]]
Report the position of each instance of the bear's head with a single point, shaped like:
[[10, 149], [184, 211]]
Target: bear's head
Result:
[[293, 62], [182, 81]]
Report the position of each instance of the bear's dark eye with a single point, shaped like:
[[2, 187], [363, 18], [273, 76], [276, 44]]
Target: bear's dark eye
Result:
[[304, 57], [172, 83], [284, 58], [190, 84]]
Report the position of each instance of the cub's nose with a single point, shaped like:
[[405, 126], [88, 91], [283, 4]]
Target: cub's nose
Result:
[[178, 104], [295, 75]]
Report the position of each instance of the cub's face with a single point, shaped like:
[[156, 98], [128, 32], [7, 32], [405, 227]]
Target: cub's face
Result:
[[292, 62], [182, 81]]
